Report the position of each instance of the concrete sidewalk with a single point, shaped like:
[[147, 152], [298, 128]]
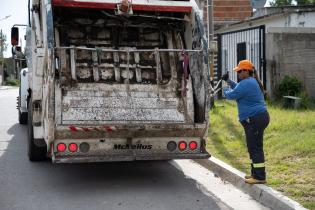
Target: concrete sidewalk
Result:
[[261, 193]]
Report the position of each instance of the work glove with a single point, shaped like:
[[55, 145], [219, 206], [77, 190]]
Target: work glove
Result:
[[226, 88], [225, 76]]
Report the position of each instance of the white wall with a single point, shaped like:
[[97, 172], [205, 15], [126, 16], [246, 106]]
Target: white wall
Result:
[[293, 20], [303, 19]]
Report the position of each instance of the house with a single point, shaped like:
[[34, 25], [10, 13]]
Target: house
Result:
[[278, 40]]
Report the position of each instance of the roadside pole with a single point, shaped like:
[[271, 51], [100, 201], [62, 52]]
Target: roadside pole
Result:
[[210, 48], [2, 59]]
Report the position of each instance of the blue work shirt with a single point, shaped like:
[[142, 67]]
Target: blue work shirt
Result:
[[249, 97]]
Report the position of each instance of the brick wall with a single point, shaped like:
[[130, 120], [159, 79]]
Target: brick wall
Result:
[[229, 10]]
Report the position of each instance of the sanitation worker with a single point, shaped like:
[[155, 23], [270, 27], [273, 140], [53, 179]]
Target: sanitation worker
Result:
[[253, 115]]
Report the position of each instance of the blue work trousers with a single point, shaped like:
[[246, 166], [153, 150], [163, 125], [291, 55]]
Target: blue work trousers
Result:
[[254, 130]]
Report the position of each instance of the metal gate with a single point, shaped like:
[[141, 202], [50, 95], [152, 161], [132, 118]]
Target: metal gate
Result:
[[239, 45]]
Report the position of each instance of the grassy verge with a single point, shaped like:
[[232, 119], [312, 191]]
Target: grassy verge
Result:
[[289, 146]]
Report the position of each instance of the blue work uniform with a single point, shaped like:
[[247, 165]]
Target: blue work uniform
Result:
[[250, 99], [253, 116]]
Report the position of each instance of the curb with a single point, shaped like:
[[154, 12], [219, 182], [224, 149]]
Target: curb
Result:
[[261, 193]]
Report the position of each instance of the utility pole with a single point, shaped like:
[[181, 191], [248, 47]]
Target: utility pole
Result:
[[2, 58], [210, 40], [210, 21]]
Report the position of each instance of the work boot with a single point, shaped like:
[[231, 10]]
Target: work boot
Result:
[[255, 181], [248, 176]]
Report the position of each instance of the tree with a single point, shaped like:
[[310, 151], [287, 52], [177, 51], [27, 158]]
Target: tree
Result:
[[305, 2], [3, 47], [3, 44], [279, 3]]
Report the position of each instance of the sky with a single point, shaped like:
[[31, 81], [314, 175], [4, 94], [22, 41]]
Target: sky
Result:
[[17, 12]]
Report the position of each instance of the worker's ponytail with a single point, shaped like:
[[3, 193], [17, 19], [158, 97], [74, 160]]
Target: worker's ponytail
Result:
[[256, 76]]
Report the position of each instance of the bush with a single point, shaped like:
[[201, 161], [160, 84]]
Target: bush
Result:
[[12, 82], [289, 86], [306, 101]]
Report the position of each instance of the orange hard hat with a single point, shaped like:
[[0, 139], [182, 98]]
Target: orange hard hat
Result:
[[244, 65]]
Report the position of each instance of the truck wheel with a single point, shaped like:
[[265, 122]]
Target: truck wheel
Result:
[[23, 118], [35, 153], [22, 115]]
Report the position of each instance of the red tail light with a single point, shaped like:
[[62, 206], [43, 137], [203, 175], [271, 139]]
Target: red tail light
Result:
[[73, 147], [61, 147], [193, 145], [182, 145]]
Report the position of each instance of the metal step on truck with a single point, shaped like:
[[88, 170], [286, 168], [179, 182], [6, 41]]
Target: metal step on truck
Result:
[[112, 80]]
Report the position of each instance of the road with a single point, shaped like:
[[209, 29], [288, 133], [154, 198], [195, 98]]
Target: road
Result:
[[160, 185]]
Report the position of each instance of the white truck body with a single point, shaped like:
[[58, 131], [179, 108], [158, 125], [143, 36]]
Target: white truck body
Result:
[[23, 90], [108, 84], [22, 98]]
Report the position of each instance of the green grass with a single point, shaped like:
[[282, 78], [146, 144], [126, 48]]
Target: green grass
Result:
[[289, 145]]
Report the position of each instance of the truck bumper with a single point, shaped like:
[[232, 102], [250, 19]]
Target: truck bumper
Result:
[[130, 157], [127, 149]]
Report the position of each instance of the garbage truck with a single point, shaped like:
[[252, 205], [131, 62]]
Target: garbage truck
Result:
[[112, 80]]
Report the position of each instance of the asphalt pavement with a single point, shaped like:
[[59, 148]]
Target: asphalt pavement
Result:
[[169, 185]]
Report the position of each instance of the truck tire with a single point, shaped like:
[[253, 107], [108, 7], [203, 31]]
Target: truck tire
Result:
[[23, 118], [35, 153], [22, 115]]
